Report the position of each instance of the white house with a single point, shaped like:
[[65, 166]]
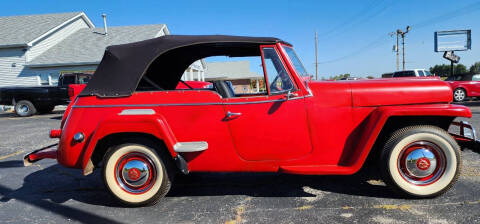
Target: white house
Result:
[[36, 49]]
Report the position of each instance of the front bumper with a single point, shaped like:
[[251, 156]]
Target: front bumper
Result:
[[466, 137], [49, 152]]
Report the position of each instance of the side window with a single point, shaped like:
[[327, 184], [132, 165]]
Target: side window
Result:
[[420, 73], [476, 78], [44, 80], [68, 79], [83, 79], [277, 76]]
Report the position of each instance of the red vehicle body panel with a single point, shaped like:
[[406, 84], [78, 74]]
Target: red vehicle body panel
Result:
[[326, 128], [472, 88]]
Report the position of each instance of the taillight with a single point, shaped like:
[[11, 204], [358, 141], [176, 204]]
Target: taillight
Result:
[[71, 92], [55, 133]]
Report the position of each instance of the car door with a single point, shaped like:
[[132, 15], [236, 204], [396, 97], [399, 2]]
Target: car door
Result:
[[272, 126]]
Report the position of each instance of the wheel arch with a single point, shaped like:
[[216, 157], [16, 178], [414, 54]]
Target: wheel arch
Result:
[[464, 89], [118, 138], [395, 123], [115, 129], [384, 120]]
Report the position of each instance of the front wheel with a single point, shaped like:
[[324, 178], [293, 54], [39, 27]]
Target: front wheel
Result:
[[421, 161], [135, 174], [459, 95]]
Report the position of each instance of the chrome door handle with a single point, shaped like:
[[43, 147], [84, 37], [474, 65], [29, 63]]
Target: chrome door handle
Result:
[[230, 114]]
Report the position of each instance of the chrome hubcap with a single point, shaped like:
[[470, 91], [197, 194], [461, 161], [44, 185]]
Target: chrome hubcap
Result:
[[135, 173], [459, 94], [23, 109], [421, 163]]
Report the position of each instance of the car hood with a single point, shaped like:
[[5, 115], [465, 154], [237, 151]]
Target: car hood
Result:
[[399, 91]]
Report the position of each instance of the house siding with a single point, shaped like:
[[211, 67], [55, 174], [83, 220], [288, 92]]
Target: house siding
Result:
[[54, 38], [14, 75]]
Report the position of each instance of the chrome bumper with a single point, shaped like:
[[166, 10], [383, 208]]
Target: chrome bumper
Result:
[[467, 137]]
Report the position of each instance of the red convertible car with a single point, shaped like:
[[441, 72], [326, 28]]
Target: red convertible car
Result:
[[131, 121], [464, 86]]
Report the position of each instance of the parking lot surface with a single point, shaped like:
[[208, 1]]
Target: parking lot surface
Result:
[[49, 193]]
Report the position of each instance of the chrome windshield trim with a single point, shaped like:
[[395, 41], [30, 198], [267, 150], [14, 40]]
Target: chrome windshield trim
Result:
[[186, 104]]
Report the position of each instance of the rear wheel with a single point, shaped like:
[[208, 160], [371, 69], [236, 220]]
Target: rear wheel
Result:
[[136, 174], [421, 161], [459, 94], [25, 108]]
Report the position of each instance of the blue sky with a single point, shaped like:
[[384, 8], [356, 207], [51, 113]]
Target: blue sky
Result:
[[353, 35]]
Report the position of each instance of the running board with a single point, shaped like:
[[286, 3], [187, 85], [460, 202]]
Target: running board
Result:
[[190, 146]]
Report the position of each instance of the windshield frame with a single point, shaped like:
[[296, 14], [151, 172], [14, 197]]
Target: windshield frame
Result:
[[286, 49]]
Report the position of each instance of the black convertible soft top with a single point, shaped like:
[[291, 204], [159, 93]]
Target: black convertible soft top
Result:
[[163, 61]]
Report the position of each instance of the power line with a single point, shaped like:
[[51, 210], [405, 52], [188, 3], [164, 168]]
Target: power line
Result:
[[353, 18], [358, 21], [443, 17]]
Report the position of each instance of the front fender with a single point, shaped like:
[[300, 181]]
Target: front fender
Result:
[[155, 125], [370, 129]]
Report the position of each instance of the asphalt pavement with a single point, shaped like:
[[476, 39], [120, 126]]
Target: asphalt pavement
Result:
[[49, 193]]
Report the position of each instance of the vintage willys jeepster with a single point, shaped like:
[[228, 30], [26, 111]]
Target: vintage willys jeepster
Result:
[[131, 121]]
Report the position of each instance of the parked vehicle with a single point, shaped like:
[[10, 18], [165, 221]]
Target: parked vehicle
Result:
[[27, 101], [464, 86], [411, 73], [130, 120]]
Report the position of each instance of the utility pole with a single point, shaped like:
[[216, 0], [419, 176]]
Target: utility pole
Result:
[[402, 34], [396, 52], [316, 56]]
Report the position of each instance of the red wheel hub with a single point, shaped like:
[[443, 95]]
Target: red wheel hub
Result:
[[135, 173], [423, 163]]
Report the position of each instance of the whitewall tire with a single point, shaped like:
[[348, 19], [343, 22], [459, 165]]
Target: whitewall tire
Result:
[[135, 174], [421, 161]]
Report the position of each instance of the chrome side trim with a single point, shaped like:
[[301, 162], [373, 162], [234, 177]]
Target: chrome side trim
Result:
[[137, 112], [187, 104], [190, 146]]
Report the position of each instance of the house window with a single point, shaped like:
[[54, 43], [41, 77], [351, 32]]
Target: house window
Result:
[[44, 79], [54, 79]]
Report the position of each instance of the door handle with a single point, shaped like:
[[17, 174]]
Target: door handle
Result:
[[230, 114]]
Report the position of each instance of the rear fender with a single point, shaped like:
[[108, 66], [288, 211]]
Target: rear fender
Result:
[[155, 125], [370, 129]]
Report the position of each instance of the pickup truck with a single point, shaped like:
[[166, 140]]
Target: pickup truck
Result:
[[133, 122], [28, 101], [408, 73]]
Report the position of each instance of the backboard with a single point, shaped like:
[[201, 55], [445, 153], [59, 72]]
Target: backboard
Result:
[[453, 40]]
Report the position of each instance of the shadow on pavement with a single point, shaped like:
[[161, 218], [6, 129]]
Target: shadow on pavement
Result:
[[13, 115], [55, 184], [11, 164], [277, 185]]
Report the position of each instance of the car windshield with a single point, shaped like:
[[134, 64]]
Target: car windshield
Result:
[[296, 61]]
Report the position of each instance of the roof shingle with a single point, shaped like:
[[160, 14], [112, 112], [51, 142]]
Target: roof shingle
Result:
[[86, 46], [20, 30]]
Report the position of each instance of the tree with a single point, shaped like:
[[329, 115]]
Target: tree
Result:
[[444, 70], [341, 76], [475, 68]]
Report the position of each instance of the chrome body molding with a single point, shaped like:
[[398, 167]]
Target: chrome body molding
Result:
[[137, 112], [185, 104], [190, 146]]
